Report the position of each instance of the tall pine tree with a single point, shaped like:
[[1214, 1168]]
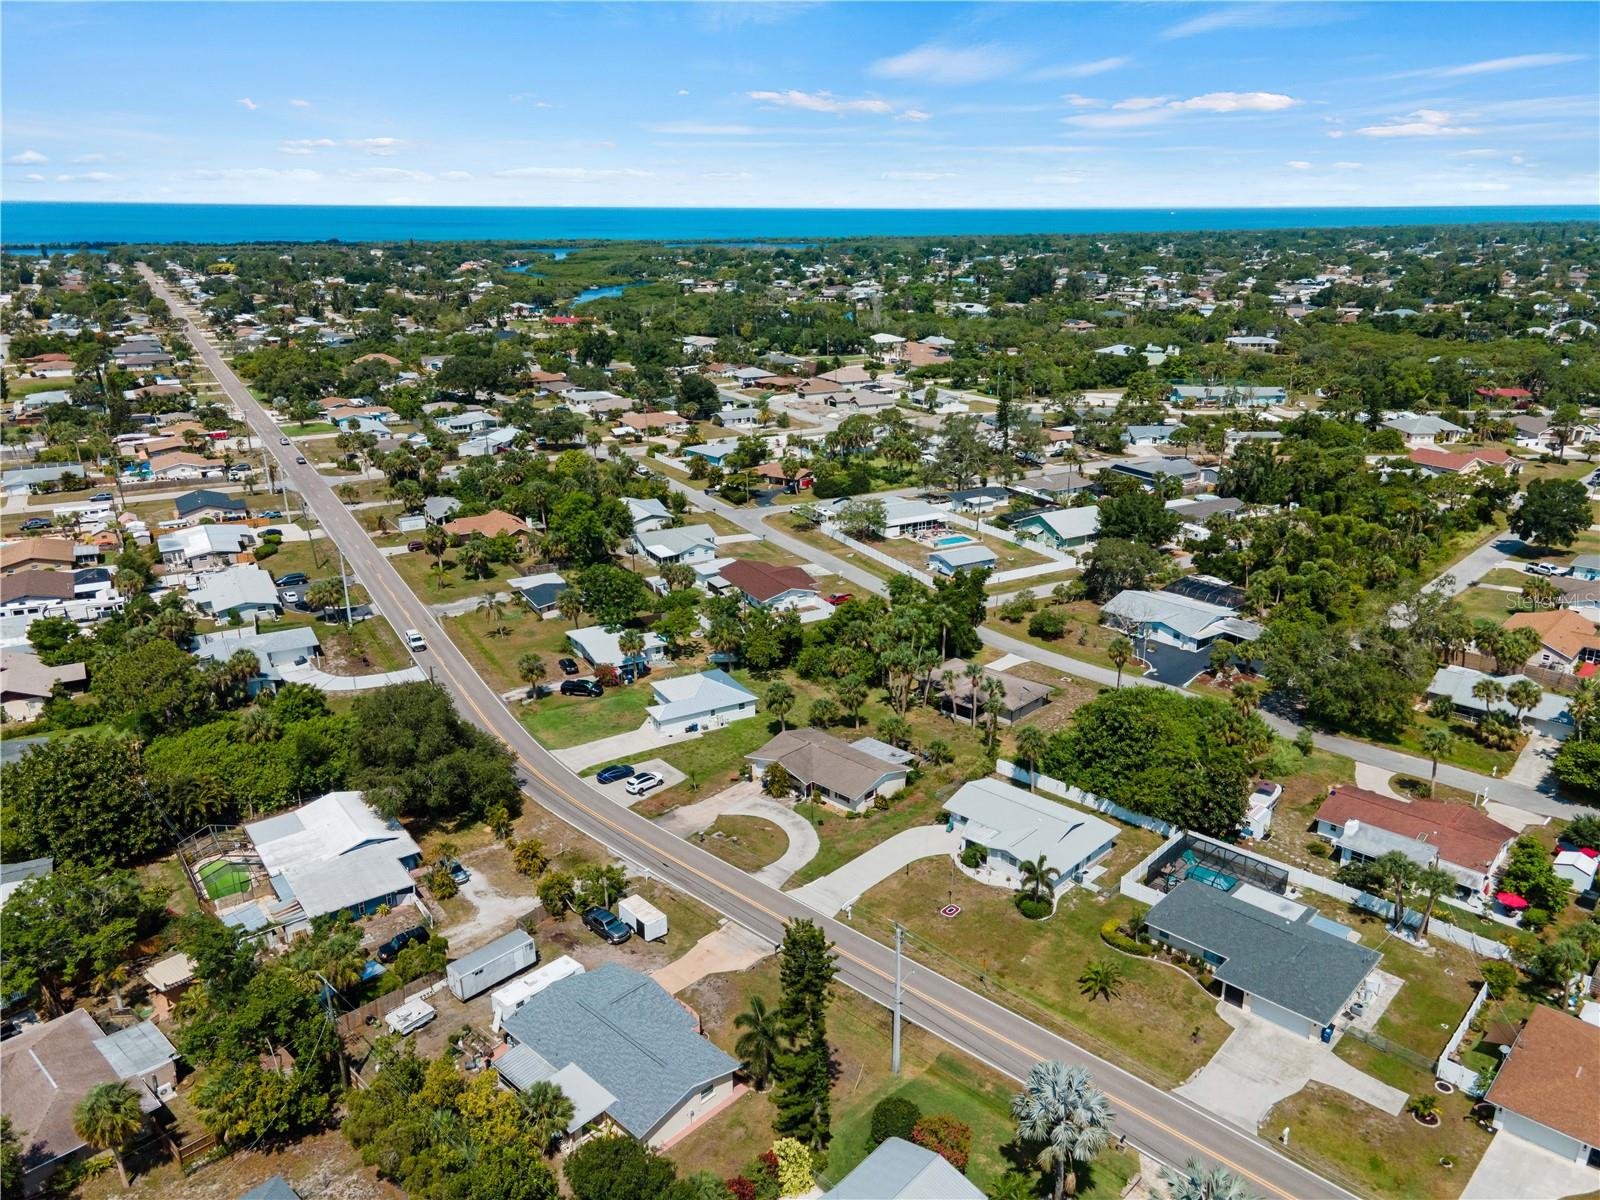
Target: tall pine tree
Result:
[[803, 1072]]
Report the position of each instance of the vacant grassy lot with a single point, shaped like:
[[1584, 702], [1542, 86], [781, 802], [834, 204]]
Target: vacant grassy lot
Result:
[[493, 646], [748, 843], [1163, 1025], [1084, 638], [935, 1078], [452, 584], [561, 721]]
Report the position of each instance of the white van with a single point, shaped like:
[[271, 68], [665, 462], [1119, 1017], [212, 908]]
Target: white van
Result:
[[415, 640]]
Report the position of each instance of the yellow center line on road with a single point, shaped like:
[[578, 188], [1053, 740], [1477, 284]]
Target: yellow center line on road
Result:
[[397, 607]]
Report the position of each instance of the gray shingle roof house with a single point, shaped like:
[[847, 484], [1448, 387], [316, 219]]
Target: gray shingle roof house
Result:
[[624, 1032], [898, 1170], [833, 769], [1290, 972]]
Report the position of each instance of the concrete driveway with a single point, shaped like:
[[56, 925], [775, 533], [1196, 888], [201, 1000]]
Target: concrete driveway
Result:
[[1514, 1169], [858, 876], [1261, 1064], [702, 814], [618, 791], [619, 747], [730, 948], [746, 799], [1168, 664]]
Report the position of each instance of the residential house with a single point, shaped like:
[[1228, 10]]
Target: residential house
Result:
[[979, 500], [207, 505], [822, 389], [438, 508], [1253, 344], [828, 768], [1566, 640], [630, 1056], [1152, 471], [1227, 395], [1585, 567], [1578, 868], [26, 683], [707, 700], [1548, 717], [333, 855], [48, 1068], [653, 424], [14, 874], [490, 524], [489, 443], [1194, 511], [1019, 697], [685, 544], [767, 586], [202, 547], [1364, 825], [37, 553], [1443, 462], [27, 480], [1015, 826], [245, 591], [647, 515], [899, 1170], [1422, 429], [542, 592], [773, 474], [183, 466], [1150, 435], [1544, 1092], [274, 650], [924, 354], [468, 422], [951, 560], [903, 518], [1061, 528], [732, 417], [35, 592], [598, 646], [1295, 972], [1176, 620], [715, 453]]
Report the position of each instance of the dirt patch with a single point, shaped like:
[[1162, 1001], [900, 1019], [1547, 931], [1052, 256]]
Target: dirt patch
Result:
[[323, 1166]]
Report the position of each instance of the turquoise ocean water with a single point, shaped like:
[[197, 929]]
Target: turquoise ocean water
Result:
[[30, 223]]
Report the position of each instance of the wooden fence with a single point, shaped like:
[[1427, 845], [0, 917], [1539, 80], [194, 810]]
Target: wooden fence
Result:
[[352, 1021]]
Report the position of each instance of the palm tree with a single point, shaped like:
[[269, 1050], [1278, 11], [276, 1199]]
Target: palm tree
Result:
[[1061, 1110], [974, 675], [1400, 873], [547, 1111], [852, 694], [107, 1118], [531, 669], [994, 703], [1195, 1182], [1433, 882], [1101, 978], [257, 725], [494, 609], [895, 730], [1246, 697], [570, 606], [1036, 875], [1436, 743], [1490, 692], [1523, 695], [631, 643], [436, 541], [760, 1043], [1031, 746], [1119, 651], [780, 702]]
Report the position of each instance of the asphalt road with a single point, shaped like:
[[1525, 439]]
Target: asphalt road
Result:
[[1167, 1126]]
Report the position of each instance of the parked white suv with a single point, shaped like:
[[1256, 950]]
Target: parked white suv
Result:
[[643, 782]]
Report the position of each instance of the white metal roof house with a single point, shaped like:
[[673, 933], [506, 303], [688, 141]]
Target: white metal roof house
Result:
[[246, 590], [274, 649], [596, 644], [1422, 429], [335, 854], [709, 700], [647, 515], [1017, 826], [628, 1054], [974, 556], [1062, 528], [902, 518], [685, 544], [201, 546], [1175, 620], [1549, 717], [899, 1170]]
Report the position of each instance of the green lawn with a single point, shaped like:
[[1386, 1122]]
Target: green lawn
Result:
[[1084, 639], [1162, 1025], [417, 570], [561, 721], [748, 843], [495, 655], [1465, 751], [1490, 604]]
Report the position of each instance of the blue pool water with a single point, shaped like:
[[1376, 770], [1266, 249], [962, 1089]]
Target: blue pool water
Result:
[[955, 539]]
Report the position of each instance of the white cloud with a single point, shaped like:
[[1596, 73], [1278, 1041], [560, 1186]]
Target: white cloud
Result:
[[825, 102], [1140, 103], [34, 177], [301, 103], [917, 176], [1083, 70], [702, 129], [88, 177], [28, 158], [305, 145], [947, 64], [1078, 101], [1495, 66], [378, 145], [455, 176], [913, 114], [249, 103], [1299, 164], [84, 159], [683, 91], [1347, 166], [1223, 102], [1256, 15], [571, 173], [1425, 122]]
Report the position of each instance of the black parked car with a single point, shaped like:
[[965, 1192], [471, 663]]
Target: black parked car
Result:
[[567, 665], [608, 925], [581, 687], [615, 772], [391, 949]]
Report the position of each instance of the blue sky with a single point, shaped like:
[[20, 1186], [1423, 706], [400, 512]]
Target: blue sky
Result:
[[803, 105]]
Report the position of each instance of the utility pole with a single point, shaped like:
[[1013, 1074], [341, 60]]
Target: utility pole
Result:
[[894, 1059]]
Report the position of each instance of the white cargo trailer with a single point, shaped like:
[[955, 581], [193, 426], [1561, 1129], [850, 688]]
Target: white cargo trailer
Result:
[[518, 992], [648, 921], [494, 963], [411, 1015]]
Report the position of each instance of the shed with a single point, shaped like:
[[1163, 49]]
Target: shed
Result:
[[648, 921], [492, 964], [506, 1000]]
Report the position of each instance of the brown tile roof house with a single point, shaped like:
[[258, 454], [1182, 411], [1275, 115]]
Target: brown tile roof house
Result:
[[653, 420], [823, 763], [1464, 836], [1561, 631], [763, 583], [1552, 1078], [35, 584], [28, 552], [490, 524], [1454, 464]]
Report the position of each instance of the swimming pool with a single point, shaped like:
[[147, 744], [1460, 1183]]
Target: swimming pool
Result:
[[954, 539]]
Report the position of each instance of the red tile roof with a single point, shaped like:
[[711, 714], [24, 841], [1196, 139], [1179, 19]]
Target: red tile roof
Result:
[[763, 581], [1464, 836]]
